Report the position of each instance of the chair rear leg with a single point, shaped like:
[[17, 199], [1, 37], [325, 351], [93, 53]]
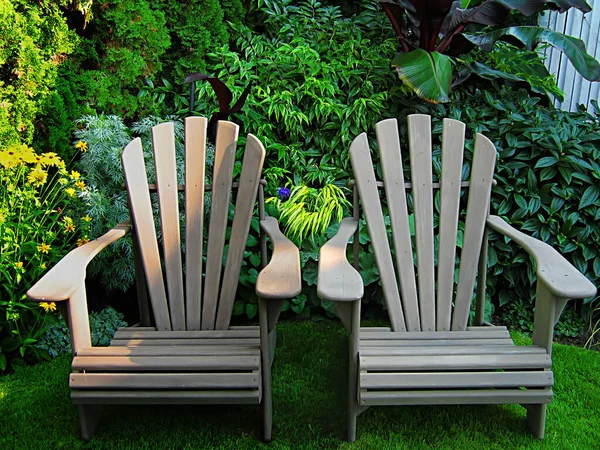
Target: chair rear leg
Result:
[[266, 353], [89, 416], [352, 402], [536, 419]]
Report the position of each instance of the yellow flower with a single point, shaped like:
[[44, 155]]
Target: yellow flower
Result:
[[9, 159], [43, 248], [51, 159], [75, 175], [27, 154], [82, 241], [82, 146], [37, 177], [63, 181], [51, 306], [69, 228], [80, 184], [19, 264], [67, 219], [70, 192], [43, 266], [86, 218]]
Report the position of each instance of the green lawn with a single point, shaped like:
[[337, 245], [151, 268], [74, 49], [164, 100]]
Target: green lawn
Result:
[[308, 383]]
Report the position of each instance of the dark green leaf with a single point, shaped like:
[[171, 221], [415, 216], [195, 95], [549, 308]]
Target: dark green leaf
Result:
[[546, 161], [427, 74], [590, 195]]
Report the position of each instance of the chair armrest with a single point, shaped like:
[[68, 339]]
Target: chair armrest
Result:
[[281, 277], [61, 282], [337, 280], [560, 277]]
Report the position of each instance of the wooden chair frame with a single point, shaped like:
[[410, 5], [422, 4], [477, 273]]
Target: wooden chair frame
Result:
[[429, 355], [183, 351]]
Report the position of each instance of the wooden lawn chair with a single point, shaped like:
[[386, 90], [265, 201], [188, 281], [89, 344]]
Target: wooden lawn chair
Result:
[[191, 355], [430, 355]]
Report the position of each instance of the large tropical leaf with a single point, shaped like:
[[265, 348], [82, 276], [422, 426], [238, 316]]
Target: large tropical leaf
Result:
[[429, 75], [483, 71], [531, 36]]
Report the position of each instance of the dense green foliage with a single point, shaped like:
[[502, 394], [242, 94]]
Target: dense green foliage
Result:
[[103, 325], [309, 404]]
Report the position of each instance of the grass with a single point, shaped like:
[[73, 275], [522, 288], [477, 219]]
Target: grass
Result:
[[309, 402]]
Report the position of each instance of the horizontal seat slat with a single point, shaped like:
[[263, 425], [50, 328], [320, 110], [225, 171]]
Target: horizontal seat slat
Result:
[[170, 350], [165, 363], [154, 397], [248, 342], [207, 334], [164, 380], [433, 342], [492, 333], [378, 329], [451, 380], [453, 362], [456, 397], [134, 328], [426, 351]]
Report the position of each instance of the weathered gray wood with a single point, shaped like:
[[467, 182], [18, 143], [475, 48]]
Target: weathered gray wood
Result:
[[165, 363], [140, 281], [281, 278], [78, 319], [456, 397], [379, 329], [419, 139], [163, 144], [337, 280], [453, 141], [484, 159], [543, 317], [393, 175], [212, 380], [273, 310], [207, 334], [483, 334], [536, 420], [227, 135], [362, 165], [155, 397], [174, 349], [434, 342], [136, 328], [353, 408], [195, 167], [561, 278], [217, 341], [141, 211], [89, 416], [265, 351], [427, 351], [451, 362], [254, 157], [456, 380]]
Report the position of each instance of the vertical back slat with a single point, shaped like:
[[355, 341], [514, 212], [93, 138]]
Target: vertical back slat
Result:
[[391, 163], [227, 135], [195, 159], [453, 141], [254, 157], [419, 138], [362, 166], [484, 160], [141, 211], [163, 143]]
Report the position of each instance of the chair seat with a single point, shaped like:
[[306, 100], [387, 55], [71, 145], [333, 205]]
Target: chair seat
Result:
[[480, 365], [143, 365]]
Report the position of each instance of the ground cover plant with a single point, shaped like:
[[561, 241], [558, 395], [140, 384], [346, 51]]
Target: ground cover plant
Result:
[[309, 402]]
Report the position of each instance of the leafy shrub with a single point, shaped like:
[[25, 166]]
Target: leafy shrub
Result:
[[34, 39], [56, 339], [40, 221]]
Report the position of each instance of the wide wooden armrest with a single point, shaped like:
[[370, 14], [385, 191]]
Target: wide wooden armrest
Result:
[[281, 277], [337, 280], [560, 277], [60, 282]]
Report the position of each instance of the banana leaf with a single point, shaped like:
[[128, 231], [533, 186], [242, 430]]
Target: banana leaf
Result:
[[429, 75]]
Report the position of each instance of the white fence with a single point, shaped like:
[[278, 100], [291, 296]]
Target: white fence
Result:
[[576, 88]]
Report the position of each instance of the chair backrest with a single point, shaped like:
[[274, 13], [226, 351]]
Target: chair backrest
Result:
[[196, 305], [425, 308]]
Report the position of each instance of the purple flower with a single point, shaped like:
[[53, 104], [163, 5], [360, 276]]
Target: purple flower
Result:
[[283, 193]]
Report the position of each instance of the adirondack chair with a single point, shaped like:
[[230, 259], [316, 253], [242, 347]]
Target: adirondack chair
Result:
[[191, 355], [430, 355]]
